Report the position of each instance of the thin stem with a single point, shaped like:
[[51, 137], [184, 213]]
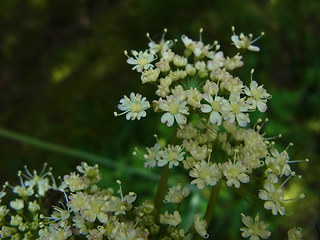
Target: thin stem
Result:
[[162, 185], [211, 204], [76, 153]]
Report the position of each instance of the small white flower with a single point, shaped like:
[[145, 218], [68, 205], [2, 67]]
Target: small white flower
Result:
[[175, 110], [235, 172], [176, 194], [170, 219], [273, 198], [244, 42], [215, 108], [162, 46], [235, 110], [278, 163], [150, 75], [172, 155], [75, 182], [254, 229], [257, 96], [134, 107], [151, 156], [206, 173], [141, 60], [295, 234], [17, 204]]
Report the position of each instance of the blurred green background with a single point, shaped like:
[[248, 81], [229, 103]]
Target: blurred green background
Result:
[[63, 71]]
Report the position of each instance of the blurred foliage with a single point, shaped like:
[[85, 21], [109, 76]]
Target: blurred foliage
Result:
[[62, 73]]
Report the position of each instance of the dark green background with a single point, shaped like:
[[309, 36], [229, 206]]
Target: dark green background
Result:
[[63, 71]]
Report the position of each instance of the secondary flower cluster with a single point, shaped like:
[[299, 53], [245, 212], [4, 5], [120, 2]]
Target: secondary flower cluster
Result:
[[199, 80], [78, 208]]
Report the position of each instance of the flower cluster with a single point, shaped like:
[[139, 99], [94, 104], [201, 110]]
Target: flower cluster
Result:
[[197, 91], [79, 208]]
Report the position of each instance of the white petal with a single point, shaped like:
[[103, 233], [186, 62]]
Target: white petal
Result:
[[167, 117], [180, 118], [205, 108], [254, 48], [215, 118], [262, 106]]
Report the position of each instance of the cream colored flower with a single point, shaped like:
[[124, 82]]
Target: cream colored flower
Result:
[[295, 234], [206, 173], [235, 110], [141, 60], [257, 96], [170, 219], [175, 110], [172, 155], [273, 198], [134, 107], [244, 42], [235, 172], [176, 194], [254, 229], [150, 75]]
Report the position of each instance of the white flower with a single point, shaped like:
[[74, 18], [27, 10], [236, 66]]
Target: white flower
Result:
[[278, 163], [41, 180], [273, 198], [244, 42], [206, 173], [150, 75], [17, 204], [151, 156], [176, 194], [257, 96], [3, 212], [175, 110], [200, 226], [162, 46], [214, 108], [134, 107], [236, 110], [235, 172], [295, 234], [254, 229], [75, 182], [172, 155], [141, 60], [170, 219]]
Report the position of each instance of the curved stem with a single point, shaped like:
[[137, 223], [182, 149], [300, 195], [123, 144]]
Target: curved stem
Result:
[[76, 153]]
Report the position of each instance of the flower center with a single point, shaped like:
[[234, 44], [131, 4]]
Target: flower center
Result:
[[216, 106], [135, 107], [234, 172], [142, 61], [255, 94], [174, 108], [235, 108], [172, 156]]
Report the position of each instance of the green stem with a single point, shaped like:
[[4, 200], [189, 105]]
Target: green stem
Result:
[[76, 153], [211, 204], [161, 190]]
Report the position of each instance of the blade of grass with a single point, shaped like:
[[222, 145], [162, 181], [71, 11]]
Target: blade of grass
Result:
[[76, 153]]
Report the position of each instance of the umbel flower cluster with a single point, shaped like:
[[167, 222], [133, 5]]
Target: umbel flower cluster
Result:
[[214, 144], [197, 92]]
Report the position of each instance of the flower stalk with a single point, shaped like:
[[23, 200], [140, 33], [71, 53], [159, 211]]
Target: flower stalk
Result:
[[161, 190]]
